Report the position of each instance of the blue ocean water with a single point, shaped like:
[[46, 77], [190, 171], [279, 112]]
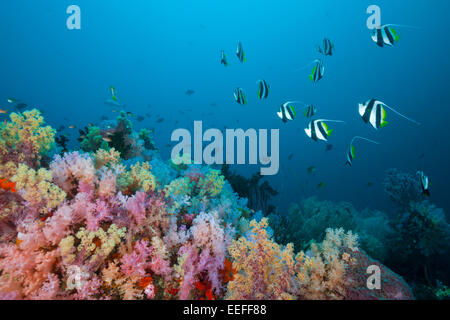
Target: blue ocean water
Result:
[[154, 51]]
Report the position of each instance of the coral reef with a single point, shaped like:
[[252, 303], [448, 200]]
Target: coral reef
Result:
[[115, 221], [309, 220]]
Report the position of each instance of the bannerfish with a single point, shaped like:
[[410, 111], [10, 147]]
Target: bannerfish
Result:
[[424, 183], [12, 100], [318, 71], [310, 111], [373, 112], [287, 111], [385, 35], [263, 89], [239, 96], [113, 94], [351, 149], [240, 53], [224, 59], [327, 49], [319, 130]]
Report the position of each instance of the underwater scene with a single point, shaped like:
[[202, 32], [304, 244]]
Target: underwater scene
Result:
[[238, 150]]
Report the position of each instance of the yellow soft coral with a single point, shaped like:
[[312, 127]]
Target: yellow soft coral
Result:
[[211, 184], [264, 269], [106, 158], [138, 178], [36, 188], [180, 186], [27, 128], [322, 273], [99, 242]]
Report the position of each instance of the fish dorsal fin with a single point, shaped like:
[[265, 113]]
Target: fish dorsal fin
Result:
[[401, 115]]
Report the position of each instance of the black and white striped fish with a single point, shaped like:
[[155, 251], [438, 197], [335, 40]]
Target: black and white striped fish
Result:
[[287, 112], [240, 52], [310, 111], [373, 112], [263, 89], [351, 149], [223, 59], [385, 36], [319, 130], [424, 183], [318, 71], [327, 49], [239, 96]]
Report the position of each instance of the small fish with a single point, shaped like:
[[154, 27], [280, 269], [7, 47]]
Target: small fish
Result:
[[107, 139], [321, 185], [130, 114], [311, 170], [310, 111], [3, 111], [424, 183], [140, 118], [370, 184], [213, 104], [318, 71], [113, 94], [287, 111], [263, 89], [351, 149], [240, 53], [327, 49], [385, 36], [103, 118], [189, 92], [160, 120], [290, 156], [328, 147], [223, 58], [318, 129], [12, 100], [72, 126], [239, 96], [373, 112]]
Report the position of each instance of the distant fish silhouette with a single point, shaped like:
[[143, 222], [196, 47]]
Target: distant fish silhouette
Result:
[[189, 92]]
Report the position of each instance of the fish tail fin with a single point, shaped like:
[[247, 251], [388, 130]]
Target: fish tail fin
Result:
[[401, 115]]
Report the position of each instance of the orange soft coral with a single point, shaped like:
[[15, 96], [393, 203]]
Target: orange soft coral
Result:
[[7, 185]]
